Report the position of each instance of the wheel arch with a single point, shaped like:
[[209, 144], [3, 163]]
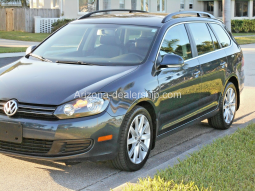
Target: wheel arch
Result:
[[149, 106], [235, 81]]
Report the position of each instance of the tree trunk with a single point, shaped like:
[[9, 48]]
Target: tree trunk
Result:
[[227, 13]]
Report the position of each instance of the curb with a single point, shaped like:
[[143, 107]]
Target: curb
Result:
[[181, 157], [7, 55]]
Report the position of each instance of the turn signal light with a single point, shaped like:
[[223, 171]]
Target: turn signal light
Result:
[[104, 138]]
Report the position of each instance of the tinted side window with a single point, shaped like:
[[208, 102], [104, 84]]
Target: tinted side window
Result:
[[202, 38], [215, 41], [223, 37], [177, 42]]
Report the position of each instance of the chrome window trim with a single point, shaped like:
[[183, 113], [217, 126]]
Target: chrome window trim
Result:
[[187, 34]]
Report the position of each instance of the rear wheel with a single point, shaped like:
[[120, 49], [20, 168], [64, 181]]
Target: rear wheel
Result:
[[135, 140], [228, 106]]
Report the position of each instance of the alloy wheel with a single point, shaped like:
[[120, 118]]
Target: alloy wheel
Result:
[[229, 105], [139, 138]]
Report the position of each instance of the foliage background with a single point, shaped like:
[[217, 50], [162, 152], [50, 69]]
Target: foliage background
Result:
[[245, 25]]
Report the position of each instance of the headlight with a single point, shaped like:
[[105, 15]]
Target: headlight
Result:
[[81, 108]]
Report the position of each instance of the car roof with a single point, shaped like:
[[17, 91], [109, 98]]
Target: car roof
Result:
[[140, 19]]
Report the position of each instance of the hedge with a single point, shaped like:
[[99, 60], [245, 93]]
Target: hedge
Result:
[[245, 25], [60, 23]]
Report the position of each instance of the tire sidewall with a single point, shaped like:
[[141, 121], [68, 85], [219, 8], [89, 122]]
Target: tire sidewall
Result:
[[229, 85], [137, 111]]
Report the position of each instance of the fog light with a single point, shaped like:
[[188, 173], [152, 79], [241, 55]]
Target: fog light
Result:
[[69, 110]]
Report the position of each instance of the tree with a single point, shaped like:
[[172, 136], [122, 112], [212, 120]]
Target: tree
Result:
[[24, 3]]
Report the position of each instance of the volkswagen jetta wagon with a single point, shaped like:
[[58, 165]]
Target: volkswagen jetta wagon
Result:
[[107, 87]]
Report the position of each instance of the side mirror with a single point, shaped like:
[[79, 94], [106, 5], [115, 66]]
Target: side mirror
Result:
[[171, 61], [30, 49]]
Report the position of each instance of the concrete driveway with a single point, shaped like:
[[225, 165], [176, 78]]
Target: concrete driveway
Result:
[[24, 174]]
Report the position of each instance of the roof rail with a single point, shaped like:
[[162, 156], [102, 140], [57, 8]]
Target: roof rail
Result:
[[187, 13], [110, 10]]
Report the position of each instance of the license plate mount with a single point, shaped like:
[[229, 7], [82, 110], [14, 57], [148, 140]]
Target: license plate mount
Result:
[[11, 132]]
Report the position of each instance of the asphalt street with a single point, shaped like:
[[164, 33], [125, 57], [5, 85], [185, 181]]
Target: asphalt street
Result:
[[26, 174], [5, 61]]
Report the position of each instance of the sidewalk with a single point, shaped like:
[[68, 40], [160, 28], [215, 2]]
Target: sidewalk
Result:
[[16, 43]]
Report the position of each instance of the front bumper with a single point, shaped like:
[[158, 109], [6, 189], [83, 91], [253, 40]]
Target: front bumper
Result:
[[55, 135]]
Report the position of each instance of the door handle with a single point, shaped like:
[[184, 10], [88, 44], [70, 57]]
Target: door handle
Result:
[[196, 74]]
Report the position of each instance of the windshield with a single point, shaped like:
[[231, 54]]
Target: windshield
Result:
[[105, 44]]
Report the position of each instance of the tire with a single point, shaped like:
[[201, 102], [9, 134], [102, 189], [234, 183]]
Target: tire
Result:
[[124, 160], [226, 115]]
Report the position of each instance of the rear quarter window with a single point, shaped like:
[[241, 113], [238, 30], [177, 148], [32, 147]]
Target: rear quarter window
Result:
[[222, 35]]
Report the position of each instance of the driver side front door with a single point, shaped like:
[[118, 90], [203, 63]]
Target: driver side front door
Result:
[[180, 87]]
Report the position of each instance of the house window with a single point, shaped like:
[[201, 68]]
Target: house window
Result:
[[34, 3], [122, 4], [220, 8], [87, 6], [161, 5], [145, 5], [133, 4], [190, 4], [55, 3], [106, 4], [209, 6], [253, 8], [182, 5], [241, 9]]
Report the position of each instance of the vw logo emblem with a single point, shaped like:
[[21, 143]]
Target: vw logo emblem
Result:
[[11, 107]]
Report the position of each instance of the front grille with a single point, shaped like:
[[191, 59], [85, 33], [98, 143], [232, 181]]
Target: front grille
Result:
[[32, 111], [47, 148], [28, 146]]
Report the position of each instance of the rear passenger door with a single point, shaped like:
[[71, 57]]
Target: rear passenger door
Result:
[[213, 62]]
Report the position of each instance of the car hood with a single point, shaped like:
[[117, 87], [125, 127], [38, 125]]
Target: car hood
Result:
[[37, 82]]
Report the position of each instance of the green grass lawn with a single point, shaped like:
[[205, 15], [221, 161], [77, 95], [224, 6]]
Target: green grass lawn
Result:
[[243, 34], [226, 164], [245, 40], [10, 50], [23, 36]]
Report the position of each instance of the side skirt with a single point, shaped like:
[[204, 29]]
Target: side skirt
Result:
[[183, 126]]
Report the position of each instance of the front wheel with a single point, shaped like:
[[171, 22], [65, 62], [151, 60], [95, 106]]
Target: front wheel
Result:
[[135, 140], [228, 105]]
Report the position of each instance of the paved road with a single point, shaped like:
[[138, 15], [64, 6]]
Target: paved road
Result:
[[24, 174], [16, 43], [4, 61]]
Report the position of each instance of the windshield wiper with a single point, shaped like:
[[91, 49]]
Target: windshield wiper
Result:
[[38, 57], [72, 62]]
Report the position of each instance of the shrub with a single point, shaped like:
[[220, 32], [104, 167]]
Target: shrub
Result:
[[236, 25], [245, 25], [60, 23]]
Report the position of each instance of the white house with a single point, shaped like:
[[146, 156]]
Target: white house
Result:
[[75, 8]]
